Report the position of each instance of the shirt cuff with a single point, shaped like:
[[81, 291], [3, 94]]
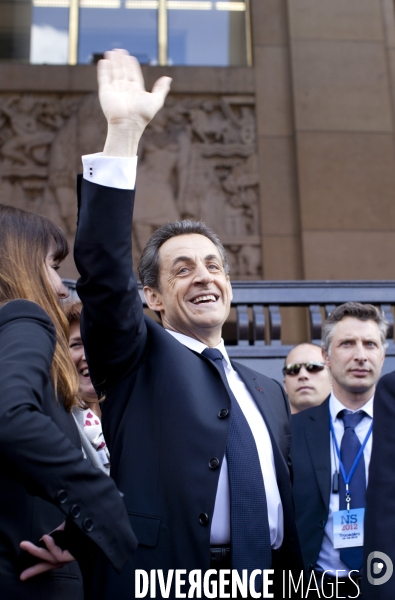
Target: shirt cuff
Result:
[[111, 171]]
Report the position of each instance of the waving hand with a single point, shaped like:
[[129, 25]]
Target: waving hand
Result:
[[127, 106]]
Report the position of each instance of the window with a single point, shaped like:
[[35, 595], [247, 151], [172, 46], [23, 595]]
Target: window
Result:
[[49, 34], [108, 24], [206, 33], [164, 32]]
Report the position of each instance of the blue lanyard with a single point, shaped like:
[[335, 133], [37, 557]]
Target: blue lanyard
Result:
[[347, 478]]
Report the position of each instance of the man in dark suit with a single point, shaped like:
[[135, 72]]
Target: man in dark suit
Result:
[[306, 380], [378, 578], [326, 440], [199, 445]]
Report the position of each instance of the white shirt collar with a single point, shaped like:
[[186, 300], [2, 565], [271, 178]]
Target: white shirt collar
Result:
[[197, 346], [335, 406]]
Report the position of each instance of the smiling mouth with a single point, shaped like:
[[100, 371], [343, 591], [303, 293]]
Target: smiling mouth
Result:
[[85, 373], [205, 299]]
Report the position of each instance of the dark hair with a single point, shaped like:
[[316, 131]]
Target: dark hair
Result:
[[25, 240], [149, 262], [73, 310], [363, 312]]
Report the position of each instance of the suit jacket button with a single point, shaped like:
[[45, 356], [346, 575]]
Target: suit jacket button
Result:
[[213, 463], [322, 523], [223, 413], [75, 511], [61, 496], [87, 524], [203, 519]]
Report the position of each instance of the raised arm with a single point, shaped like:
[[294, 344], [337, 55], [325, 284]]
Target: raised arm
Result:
[[112, 322]]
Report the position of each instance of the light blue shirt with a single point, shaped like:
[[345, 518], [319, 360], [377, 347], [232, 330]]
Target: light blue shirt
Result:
[[329, 558]]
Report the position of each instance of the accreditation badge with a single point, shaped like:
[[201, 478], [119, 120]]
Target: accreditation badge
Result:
[[348, 528]]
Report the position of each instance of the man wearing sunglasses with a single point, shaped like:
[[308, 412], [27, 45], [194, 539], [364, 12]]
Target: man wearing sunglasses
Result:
[[331, 447], [306, 379]]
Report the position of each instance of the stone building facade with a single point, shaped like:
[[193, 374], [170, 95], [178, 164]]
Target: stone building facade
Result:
[[291, 161]]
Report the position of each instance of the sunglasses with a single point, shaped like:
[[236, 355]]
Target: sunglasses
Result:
[[311, 367]]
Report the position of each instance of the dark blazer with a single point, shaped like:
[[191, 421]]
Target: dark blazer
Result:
[[162, 415], [380, 493], [43, 477], [311, 463]]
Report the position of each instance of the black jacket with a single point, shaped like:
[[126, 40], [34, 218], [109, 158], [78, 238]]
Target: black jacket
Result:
[[161, 416], [43, 477], [380, 493], [311, 462]]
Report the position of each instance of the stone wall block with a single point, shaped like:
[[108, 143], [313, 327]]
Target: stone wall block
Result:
[[349, 254], [273, 89], [278, 186], [347, 181], [341, 86], [358, 20]]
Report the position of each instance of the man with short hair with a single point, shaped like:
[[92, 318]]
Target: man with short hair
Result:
[[306, 379], [331, 446], [199, 445]]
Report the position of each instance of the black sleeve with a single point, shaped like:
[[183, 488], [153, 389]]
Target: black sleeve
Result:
[[112, 325], [380, 494], [40, 455]]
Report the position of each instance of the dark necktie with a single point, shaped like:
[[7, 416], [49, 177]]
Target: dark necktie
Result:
[[250, 534], [349, 448]]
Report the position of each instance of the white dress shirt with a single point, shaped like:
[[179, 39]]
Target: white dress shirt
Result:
[[220, 527], [121, 173], [329, 558]]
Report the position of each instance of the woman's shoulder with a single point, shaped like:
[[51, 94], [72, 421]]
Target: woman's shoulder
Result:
[[24, 309]]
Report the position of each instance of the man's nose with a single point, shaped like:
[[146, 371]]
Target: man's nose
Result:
[[303, 373], [202, 274], [360, 352]]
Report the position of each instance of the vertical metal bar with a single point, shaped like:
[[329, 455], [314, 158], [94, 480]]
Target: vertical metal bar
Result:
[[259, 325], [315, 323], [162, 33], [243, 325], [275, 325], [248, 32], [74, 13]]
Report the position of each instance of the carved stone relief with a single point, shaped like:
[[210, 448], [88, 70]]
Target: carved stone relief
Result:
[[197, 159]]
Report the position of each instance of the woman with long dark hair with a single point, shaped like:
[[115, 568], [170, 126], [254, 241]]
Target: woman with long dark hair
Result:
[[45, 483]]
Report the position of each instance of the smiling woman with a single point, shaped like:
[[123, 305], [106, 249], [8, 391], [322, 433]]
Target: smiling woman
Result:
[[88, 413], [46, 484]]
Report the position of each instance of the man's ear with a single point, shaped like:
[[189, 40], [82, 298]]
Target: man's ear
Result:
[[326, 358], [153, 298]]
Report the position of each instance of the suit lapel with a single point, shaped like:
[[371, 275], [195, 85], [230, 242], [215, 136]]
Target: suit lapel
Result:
[[261, 398], [318, 443], [263, 402]]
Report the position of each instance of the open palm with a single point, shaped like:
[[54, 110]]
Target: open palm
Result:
[[122, 95]]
